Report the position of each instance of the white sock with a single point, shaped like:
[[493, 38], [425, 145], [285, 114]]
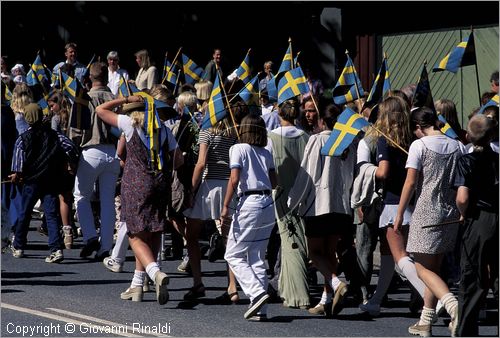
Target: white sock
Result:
[[138, 279], [326, 298], [450, 304], [384, 278], [407, 265], [426, 316], [152, 269], [335, 282]]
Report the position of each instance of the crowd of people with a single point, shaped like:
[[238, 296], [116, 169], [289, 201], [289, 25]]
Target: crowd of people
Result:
[[259, 179]]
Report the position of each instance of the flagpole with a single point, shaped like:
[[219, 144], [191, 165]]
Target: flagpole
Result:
[[310, 90], [173, 63], [164, 64], [227, 101], [357, 89], [291, 54], [126, 85], [477, 71], [177, 80]]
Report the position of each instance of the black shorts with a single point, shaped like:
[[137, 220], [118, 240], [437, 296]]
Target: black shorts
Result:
[[328, 224]]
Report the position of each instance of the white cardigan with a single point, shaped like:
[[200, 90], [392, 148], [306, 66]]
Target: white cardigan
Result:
[[146, 78], [323, 184]]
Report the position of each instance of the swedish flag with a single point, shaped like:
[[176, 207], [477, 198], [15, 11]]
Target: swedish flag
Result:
[[8, 95], [286, 64], [243, 71], [272, 91], [292, 84], [250, 90], [345, 89], [192, 72], [348, 125], [44, 105], [38, 73], [447, 130], [152, 126], [462, 55], [215, 109], [381, 85], [166, 67], [80, 112], [491, 103], [173, 71], [123, 89], [423, 95]]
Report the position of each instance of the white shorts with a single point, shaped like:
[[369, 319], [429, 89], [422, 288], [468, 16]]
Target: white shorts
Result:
[[389, 213], [208, 201]]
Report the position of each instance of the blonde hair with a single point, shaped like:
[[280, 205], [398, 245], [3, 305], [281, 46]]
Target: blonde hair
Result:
[[144, 56], [21, 97], [394, 121], [187, 99], [203, 89], [137, 119]]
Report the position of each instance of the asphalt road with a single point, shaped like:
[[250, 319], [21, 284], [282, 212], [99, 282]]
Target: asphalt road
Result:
[[80, 297]]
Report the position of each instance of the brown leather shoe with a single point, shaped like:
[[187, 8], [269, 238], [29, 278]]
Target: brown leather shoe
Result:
[[420, 330], [338, 297]]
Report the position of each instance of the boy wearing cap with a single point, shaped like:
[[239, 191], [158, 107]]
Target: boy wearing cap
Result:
[[40, 157]]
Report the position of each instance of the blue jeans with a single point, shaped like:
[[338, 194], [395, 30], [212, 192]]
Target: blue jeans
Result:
[[31, 193]]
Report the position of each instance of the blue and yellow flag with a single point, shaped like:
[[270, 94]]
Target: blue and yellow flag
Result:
[[123, 89], [423, 95], [44, 105], [381, 85], [80, 113], [250, 90], [192, 72], [243, 71], [348, 125], [462, 55], [166, 67], [39, 73], [272, 91], [87, 69], [215, 108], [173, 72], [345, 89], [447, 130], [491, 103], [286, 64], [152, 127], [8, 94], [292, 84]]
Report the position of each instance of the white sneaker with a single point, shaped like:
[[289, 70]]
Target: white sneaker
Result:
[[371, 308], [112, 264]]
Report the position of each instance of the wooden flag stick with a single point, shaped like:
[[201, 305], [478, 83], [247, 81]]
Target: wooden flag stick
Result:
[[126, 85], [477, 71], [357, 89], [228, 105], [173, 63], [310, 90], [291, 54], [177, 80], [442, 223], [164, 64], [389, 139]]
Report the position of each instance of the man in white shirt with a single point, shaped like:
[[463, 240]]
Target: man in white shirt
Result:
[[115, 72]]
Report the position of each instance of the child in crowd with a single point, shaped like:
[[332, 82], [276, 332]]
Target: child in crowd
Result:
[[252, 178], [477, 200]]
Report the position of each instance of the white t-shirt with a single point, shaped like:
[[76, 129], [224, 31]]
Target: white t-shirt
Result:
[[125, 126], [440, 144], [288, 131], [363, 152], [254, 164]]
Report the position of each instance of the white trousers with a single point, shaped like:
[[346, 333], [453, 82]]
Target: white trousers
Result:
[[97, 163], [247, 242]]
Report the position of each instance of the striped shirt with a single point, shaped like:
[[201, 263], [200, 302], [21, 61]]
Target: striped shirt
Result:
[[217, 166], [65, 143]]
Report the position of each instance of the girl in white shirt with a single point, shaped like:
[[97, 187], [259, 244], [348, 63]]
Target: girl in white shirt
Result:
[[252, 178]]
